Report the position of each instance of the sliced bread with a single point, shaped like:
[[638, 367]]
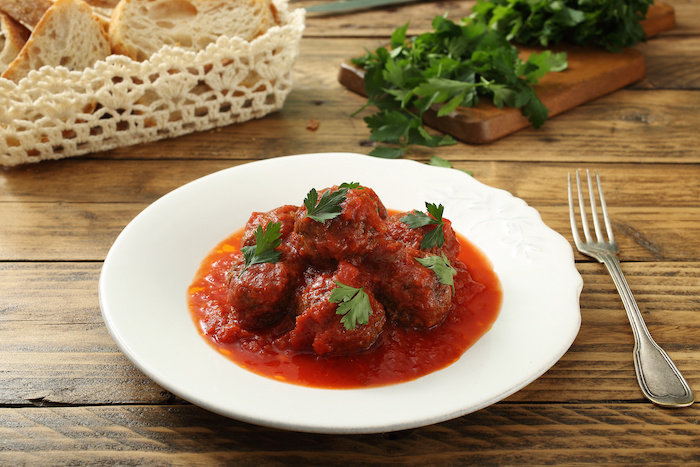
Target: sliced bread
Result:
[[26, 12], [106, 4], [13, 36], [69, 34], [102, 8], [29, 12], [139, 28]]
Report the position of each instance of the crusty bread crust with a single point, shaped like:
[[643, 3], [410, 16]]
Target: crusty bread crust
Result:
[[139, 28], [13, 36], [69, 35], [107, 4], [26, 12]]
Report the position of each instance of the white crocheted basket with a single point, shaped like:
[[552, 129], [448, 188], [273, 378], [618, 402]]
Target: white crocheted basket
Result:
[[54, 113]]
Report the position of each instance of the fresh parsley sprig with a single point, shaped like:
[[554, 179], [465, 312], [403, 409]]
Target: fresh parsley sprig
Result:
[[613, 24], [452, 66], [353, 304], [329, 206], [436, 236], [440, 162], [264, 250], [441, 267]]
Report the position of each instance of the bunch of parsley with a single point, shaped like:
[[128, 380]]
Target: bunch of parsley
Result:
[[613, 24], [452, 66]]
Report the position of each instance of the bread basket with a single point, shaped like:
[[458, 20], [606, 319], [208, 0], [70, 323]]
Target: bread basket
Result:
[[55, 113]]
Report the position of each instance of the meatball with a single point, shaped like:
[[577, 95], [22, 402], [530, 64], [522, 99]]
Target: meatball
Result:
[[319, 327], [261, 295], [400, 232], [412, 293], [381, 209], [355, 232], [285, 215]]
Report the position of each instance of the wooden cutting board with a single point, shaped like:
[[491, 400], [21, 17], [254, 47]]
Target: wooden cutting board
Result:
[[592, 72]]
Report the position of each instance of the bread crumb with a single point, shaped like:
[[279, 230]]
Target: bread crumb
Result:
[[313, 125]]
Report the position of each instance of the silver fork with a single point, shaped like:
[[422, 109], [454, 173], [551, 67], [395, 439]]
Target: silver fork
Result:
[[660, 380]]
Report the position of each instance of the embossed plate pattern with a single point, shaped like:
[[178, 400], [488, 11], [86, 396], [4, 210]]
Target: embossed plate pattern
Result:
[[148, 269]]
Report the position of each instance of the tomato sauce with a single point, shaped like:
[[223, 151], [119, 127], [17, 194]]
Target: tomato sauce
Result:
[[400, 354]]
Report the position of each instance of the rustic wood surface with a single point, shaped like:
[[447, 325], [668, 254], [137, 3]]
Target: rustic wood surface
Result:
[[68, 396]]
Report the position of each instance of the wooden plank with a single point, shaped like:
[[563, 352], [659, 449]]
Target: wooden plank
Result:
[[541, 184], [507, 434], [120, 181], [54, 231], [66, 377], [643, 234], [625, 126], [687, 12], [673, 62], [54, 348], [71, 231]]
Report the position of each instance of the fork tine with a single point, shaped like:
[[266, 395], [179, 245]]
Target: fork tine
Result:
[[572, 214], [604, 208], [594, 208], [582, 209]]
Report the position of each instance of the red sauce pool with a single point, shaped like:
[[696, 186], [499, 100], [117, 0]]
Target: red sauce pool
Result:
[[399, 355]]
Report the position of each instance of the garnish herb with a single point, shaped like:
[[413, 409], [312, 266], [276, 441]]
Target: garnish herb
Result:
[[440, 162], [353, 305], [329, 206], [449, 67], [266, 240], [441, 267], [613, 24], [435, 237]]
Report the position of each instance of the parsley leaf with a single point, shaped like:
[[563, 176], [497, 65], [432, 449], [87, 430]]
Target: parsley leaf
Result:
[[328, 207], [452, 66], [441, 267], [387, 153], [613, 24], [263, 251], [435, 237], [440, 162], [353, 305]]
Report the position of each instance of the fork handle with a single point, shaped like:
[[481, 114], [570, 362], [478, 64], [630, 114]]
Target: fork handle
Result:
[[658, 376]]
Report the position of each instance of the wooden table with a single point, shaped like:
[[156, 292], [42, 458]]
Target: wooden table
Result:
[[69, 396]]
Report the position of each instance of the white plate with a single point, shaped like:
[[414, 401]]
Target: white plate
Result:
[[144, 281]]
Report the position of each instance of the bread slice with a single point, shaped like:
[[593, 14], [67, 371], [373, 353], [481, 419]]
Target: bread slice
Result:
[[106, 4], [13, 36], [69, 34], [26, 12], [29, 12], [139, 28], [102, 8]]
